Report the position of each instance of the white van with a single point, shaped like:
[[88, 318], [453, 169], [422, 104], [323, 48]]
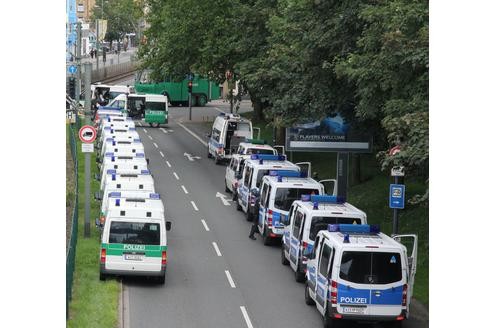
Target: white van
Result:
[[128, 194], [110, 158], [121, 146], [279, 190], [124, 163], [134, 242], [249, 183], [118, 174], [227, 132], [306, 218], [120, 186], [357, 273], [110, 92], [109, 132]]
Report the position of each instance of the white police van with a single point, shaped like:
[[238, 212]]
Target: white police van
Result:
[[126, 184], [111, 159], [119, 174], [115, 123], [306, 218], [126, 164], [128, 194], [249, 184], [109, 132], [279, 190], [121, 146], [134, 242], [356, 272], [255, 146], [233, 173], [103, 113], [227, 132]]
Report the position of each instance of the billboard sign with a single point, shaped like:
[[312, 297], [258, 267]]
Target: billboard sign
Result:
[[331, 134]]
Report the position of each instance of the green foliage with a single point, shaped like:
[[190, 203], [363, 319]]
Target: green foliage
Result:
[[122, 16]]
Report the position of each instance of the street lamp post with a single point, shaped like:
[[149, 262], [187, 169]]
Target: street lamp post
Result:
[[97, 35]]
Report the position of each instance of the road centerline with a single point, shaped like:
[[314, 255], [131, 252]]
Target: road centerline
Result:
[[205, 225], [229, 278], [194, 205], [162, 154], [145, 131], [215, 246], [176, 176], [185, 190], [246, 317], [154, 143], [168, 164]]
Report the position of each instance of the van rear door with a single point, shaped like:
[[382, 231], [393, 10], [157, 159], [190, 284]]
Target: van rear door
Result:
[[134, 246], [411, 243]]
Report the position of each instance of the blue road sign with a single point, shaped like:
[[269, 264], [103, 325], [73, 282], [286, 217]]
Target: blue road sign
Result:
[[397, 196], [72, 69]]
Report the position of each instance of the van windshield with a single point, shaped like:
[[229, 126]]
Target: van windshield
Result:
[[155, 105], [321, 223], [371, 267], [263, 151], [284, 197], [134, 233], [243, 126]]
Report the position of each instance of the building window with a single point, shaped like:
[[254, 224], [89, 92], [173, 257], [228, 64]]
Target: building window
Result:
[[80, 8]]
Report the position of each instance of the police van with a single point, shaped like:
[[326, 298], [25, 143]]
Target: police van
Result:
[[227, 132], [255, 168], [111, 158], [128, 194], [121, 146], [279, 190], [255, 146], [119, 174], [109, 132], [134, 243], [233, 172], [103, 113], [115, 122], [355, 272], [144, 183], [124, 163], [306, 218]]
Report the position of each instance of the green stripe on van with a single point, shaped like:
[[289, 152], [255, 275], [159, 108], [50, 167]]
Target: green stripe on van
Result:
[[149, 250]]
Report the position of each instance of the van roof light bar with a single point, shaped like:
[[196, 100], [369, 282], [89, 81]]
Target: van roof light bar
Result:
[[285, 173], [268, 157], [327, 199], [256, 141], [354, 228]]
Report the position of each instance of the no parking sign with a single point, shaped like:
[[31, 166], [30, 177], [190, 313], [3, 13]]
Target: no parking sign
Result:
[[87, 134]]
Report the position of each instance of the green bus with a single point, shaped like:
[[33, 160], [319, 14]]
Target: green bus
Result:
[[203, 90]]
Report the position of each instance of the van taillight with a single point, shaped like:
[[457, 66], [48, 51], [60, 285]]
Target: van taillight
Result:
[[404, 295], [333, 292], [164, 257], [103, 255], [270, 217]]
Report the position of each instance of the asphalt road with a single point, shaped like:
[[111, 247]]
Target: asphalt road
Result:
[[216, 276]]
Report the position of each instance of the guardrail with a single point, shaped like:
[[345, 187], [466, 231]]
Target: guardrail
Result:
[[108, 72], [71, 249]]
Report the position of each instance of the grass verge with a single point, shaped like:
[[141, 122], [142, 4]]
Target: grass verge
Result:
[[371, 196], [94, 303]]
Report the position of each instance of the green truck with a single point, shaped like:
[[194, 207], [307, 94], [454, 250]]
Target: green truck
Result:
[[203, 90]]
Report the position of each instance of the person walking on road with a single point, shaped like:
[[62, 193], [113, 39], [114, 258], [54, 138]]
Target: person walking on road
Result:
[[254, 229], [91, 53], [104, 55]]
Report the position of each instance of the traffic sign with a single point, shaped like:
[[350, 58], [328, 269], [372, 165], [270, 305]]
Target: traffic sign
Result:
[[394, 150], [87, 148], [72, 69], [397, 171], [397, 196], [87, 134]]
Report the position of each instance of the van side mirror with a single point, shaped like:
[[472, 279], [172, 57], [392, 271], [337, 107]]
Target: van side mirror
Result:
[[148, 161], [168, 225]]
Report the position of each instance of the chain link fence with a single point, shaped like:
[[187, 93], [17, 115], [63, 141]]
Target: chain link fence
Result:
[[71, 249]]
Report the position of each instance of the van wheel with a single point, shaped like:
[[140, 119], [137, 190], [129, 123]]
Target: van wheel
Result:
[[209, 155], [160, 279], [284, 259], [308, 300], [103, 276], [299, 275], [226, 188]]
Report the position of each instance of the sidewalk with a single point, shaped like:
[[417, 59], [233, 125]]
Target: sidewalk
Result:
[[419, 311], [112, 58]]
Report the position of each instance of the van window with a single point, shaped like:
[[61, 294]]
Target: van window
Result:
[[321, 223], [298, 221], [259, 151], [371, 267], [325, 258], [261, 174], [215, 134], [155, 105], [263, 192], [241, 166], [243, 127], [134, 233], [285, 196], [247, 178]]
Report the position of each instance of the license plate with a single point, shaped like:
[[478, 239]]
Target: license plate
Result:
[[356, 310], [133, 257]]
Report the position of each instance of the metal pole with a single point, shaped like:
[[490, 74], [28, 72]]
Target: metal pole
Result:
[[395, 222], [78, 65], [342, 174], [231, 100], [190, 105], [87, 187], [97, 46], [87, 87]]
